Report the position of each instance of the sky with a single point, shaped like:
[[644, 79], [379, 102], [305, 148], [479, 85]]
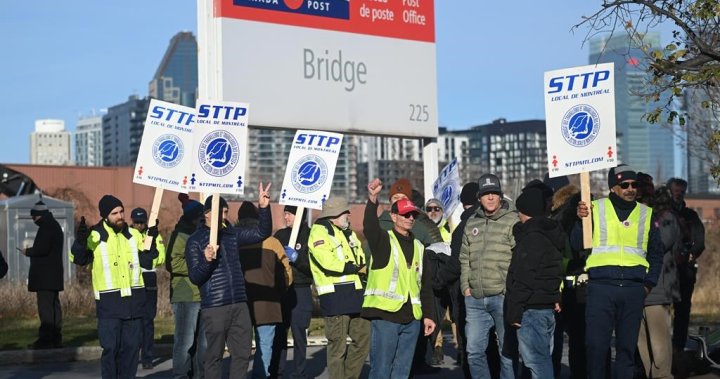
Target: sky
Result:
[[64, 59]]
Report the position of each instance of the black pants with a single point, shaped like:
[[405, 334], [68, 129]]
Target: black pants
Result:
[[686, 280], [297, 312], [50, 332], [148, 325], [119, 340]]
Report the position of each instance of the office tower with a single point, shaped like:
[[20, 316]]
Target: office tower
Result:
[[50, 143], [88, 141], [649, 148], [176, 78], [122, 130]]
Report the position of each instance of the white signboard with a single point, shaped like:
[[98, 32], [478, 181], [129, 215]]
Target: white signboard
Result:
[[164, 160], [310, 168], [220, 148], [336, 65], [447, 187], [580, 119]]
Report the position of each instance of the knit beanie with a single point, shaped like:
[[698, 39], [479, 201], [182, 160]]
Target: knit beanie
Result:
[[290, 209], [107, 204], [531, 202], [536, 183], [40, 209], [619, 174], [247, 210], [192, 209], [401, 185], [208, 204], [469, 193]]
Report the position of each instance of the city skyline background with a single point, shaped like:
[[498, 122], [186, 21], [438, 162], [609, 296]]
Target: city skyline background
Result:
[[70, 60]]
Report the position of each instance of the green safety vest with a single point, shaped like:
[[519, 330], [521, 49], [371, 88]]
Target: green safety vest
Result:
[[115, 265], [388, 288], [619, 243], [328, 255]]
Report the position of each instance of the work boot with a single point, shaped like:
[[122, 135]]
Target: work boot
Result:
[[438, 356]]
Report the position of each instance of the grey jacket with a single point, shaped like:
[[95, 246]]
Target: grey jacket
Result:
[[667, 289], [486, 251]]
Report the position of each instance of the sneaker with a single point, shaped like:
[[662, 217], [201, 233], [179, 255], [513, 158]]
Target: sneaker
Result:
[[147, 366]]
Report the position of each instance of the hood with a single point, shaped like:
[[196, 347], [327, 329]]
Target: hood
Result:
[[548, 227], [563, 195]]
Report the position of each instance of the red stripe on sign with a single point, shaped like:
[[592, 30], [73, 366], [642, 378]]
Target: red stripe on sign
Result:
[[404, 19]]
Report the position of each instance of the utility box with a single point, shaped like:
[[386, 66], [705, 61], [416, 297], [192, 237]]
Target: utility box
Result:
[[17, 230]]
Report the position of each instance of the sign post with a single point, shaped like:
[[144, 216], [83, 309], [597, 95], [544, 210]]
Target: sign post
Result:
[[580, 126]]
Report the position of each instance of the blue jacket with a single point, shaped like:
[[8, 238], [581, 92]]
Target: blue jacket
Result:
[[221, 281]]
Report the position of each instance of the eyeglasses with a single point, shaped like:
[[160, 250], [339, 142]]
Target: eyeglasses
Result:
[[433, 209], [625, 185]]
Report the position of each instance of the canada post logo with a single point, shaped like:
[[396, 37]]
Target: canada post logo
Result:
[[323, 8], [309, 174], [219, 153], [580, 125], [168, 151]]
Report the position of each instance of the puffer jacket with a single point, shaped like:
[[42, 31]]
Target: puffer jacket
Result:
[[486, 251], [667, 289], [221, 281]]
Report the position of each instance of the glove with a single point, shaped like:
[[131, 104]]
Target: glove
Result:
[[83, 232], [291, 253], [440, 248], [153, 230], [350, 268]]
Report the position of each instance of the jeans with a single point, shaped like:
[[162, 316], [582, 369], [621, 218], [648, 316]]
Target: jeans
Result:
[[535, 340], [264, 336], [391, 349], [227, 324], [189, 347], [481, 315], [346, 361], [120, 341]]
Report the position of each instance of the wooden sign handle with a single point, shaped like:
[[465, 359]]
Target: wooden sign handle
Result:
[[214, 219], [296, 226], [154, 211], [585, 197]]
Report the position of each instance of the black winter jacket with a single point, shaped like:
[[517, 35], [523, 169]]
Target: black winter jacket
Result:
[[221, 281], [302, 276], [533, 280], [46, 256]]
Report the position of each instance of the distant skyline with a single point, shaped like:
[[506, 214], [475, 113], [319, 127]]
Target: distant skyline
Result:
[[65, 59]]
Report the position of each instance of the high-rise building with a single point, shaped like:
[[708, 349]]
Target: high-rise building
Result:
[[646, 147], [50, 143], [122, 130], [88, 141], [176, 78]]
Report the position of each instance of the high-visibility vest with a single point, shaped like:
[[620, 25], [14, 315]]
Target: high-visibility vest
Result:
[[115, 265], [445, 231], [328, 255], [160, 246], [619, 243], [390, 287]]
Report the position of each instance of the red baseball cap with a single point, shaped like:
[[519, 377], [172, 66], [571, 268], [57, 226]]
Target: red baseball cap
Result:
[[403, 207]]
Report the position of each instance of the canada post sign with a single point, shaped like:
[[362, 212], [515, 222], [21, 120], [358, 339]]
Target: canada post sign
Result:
[[335, 65], [220, 148], [310, 168], [163, 160], [580, 119]]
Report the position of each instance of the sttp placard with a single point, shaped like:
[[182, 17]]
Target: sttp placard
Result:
[[220, 148], [164, 160], [310, 168], [363, 67], [447, 187], [580, 119]]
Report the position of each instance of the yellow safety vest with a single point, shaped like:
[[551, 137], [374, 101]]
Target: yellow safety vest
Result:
[[328, 255], [115, 265], [619, 243], [445, 232], [160, 246], [388, 288]]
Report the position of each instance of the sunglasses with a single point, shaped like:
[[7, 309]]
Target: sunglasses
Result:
[[626, 185], [409, 215], [433, 209]]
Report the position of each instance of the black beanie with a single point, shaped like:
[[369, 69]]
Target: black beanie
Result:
[[468, 195], [40, 209], [531, 202], [208, 204], [247, 210], [536, 183], [620, 174], [107, 204], [290, 209]]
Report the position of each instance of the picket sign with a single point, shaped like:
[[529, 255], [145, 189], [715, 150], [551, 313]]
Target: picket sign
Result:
[[296, 226]]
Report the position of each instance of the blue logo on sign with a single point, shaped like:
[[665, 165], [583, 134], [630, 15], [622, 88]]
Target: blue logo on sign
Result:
[[447, 196], [309, 174], [219, 153], [580, 125], [168, 150]]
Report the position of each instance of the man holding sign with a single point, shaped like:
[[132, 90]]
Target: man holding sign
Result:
[[223, 299], [626, 258]]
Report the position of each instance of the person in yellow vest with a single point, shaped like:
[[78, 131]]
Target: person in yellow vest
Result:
[[623, 267], [399, 292], [139, 219], [116, 254], [337, 261]]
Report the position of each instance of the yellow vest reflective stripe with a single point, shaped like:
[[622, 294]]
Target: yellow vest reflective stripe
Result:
[[324, 283], [116, 266], [617, 243], [388, 288]]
